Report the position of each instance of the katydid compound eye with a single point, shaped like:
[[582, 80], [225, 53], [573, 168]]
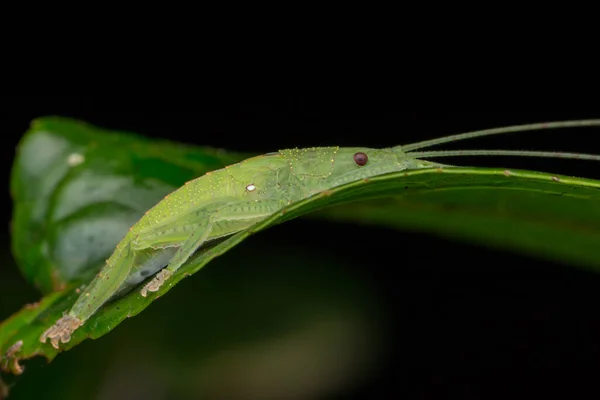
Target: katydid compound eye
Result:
[[360, 159]]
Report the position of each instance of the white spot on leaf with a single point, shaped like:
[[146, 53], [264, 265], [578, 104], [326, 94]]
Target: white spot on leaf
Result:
[[75, 159], [250, 188]]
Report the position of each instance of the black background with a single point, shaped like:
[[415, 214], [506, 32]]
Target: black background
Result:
[[485, 323]]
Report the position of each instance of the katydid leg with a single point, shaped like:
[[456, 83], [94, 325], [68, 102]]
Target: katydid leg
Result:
[[196, 239], [234, 213], [112, 276]]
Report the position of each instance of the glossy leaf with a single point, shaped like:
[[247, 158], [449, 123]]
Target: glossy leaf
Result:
[[546, 215], [77, 189]]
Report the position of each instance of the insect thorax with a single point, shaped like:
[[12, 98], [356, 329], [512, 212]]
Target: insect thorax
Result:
[[314, 162]]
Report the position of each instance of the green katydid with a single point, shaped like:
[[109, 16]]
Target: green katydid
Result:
[[223, 202]]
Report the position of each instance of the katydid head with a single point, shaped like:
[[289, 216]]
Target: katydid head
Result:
[[355, 163]]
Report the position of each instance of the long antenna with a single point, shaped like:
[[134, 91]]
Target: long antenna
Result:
[[509, 129], [520, 153]]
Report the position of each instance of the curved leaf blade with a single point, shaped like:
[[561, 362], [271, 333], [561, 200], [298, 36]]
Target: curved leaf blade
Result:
[[550, 216], [563, 198]]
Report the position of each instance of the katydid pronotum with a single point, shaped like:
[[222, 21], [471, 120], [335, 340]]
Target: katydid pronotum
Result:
[[223, 202]]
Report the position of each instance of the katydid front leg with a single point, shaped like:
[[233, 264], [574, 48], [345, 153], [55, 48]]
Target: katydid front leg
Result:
[[221, 222], [196, 239]]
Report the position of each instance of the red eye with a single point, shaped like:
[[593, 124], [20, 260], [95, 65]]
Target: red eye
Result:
[[360, 159]]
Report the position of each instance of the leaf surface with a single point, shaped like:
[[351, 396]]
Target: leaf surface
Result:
[[69, 217]]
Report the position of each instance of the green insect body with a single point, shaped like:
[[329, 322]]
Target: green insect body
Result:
[[216, 205], [223, 202]]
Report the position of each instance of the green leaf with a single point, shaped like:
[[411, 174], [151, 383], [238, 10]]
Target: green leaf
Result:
[[548, 216], [545, 215], [78, 188]]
